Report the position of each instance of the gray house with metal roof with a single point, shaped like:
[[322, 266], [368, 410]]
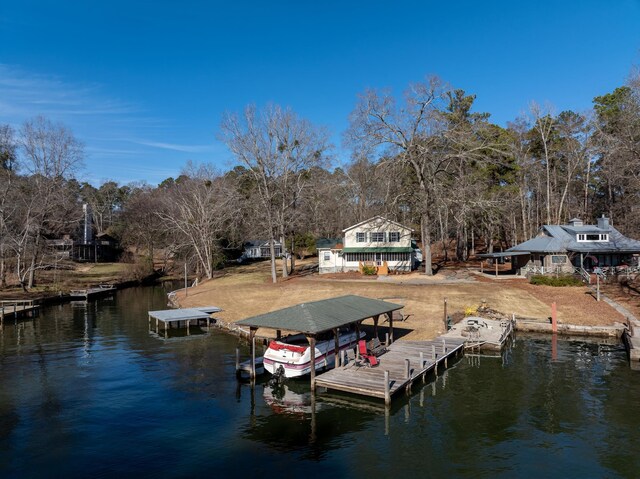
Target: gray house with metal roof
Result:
[[562, 248]]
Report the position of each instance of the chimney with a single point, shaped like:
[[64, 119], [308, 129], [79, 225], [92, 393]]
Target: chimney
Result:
[[603, 223], [88, 224]]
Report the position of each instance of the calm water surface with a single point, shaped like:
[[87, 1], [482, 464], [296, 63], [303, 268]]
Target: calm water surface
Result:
[[86, 391]]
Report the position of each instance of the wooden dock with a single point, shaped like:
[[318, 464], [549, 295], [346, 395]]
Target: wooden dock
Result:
[[402, 364], [16, 309]]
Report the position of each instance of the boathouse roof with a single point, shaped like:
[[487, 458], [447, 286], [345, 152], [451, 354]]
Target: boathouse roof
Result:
[[324, 315]]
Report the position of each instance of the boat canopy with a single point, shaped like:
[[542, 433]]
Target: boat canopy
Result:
[[324, 315]]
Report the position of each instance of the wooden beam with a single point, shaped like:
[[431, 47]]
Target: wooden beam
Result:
[[336, 352], [252, 337], [312, 345]]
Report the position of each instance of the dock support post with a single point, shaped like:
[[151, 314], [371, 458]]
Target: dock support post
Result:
[[237, 361], [336, 352], [387, 389], [433, 352], [407, 369], [157, 326], [187, 324], [252, 335], [444, 347], [421, 360], [312, 351], [386, 339], [390, 327]]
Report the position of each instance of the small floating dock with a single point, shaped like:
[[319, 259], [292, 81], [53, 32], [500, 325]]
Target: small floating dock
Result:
[[482, 334], [16, 309], [402, 364], [184, 317], [92, 292]]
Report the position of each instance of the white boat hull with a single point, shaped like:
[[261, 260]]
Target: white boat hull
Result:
[[296, 361]]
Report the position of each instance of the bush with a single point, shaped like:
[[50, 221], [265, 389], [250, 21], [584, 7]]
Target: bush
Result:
[[564, 280], [470, 310], [369, 270]]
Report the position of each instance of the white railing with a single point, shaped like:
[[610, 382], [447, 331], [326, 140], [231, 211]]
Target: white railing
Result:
[[583, 273]]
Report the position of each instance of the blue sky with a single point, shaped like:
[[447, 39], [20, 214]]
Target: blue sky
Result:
[[144, 84]]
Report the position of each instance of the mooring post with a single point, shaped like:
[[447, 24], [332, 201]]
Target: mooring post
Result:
[[433, 352], [407, 369], [554, 318], [252, 334], [386, 339], [444, 347], [387, 389], [421, 360], [237, 361], [445, 315]]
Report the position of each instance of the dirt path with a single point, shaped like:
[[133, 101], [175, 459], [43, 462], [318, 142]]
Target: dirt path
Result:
[[246, 291]]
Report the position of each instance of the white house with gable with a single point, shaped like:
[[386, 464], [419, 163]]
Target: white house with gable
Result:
[[378, 241]]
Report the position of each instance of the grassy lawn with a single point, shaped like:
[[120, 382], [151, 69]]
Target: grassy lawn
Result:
[[247, 291]]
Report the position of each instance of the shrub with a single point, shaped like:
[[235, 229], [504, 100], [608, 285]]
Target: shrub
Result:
[[564, 280], [368, 270], [470, 310]]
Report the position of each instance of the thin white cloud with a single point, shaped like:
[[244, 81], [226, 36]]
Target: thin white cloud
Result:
[[175, 147], [121, 139]]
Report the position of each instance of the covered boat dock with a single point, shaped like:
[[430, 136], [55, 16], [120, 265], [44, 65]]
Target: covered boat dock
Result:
[[169, 317], [317, 317]]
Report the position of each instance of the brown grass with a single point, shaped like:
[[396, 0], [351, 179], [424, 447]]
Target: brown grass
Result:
[[246, 291]]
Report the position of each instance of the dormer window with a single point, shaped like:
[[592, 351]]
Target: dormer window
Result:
[[584, 238]]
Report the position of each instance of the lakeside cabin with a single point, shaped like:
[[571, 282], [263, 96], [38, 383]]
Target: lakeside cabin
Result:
[[570, 248], [260, 249], [378, 242]]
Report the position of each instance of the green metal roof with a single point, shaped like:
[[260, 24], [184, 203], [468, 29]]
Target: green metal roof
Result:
[[381, 249], [318, 316]]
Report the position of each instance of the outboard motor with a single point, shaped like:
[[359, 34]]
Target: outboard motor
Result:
[[278, 377]]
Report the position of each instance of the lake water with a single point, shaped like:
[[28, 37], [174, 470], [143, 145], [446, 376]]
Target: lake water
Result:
[[86, 391]]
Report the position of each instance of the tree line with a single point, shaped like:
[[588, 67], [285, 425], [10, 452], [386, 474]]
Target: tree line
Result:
[[426, 159]]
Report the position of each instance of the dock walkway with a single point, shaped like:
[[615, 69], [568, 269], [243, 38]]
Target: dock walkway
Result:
[[16, 309], [402, 364]]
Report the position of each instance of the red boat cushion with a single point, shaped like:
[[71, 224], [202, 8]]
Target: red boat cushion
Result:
[[289, 347]]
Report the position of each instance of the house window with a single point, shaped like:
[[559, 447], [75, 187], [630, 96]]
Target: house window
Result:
[[580, 237], [604, 237], [326, 256], [593, 237], [394, 236], [361, 237], [558, 259], [377, 237]]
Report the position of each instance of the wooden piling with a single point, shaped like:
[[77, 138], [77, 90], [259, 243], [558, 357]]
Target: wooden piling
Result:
[[444, 319], [237, 361], [407, 369], [387, 389]]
